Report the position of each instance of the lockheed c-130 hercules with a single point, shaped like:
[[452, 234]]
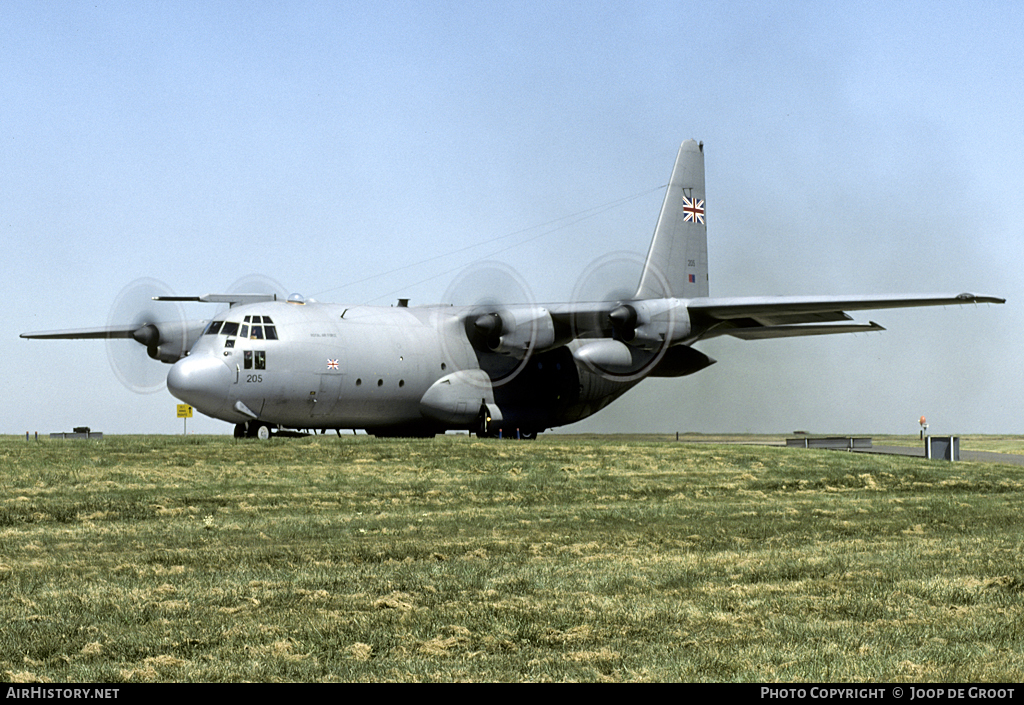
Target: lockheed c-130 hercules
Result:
[[269, 365]]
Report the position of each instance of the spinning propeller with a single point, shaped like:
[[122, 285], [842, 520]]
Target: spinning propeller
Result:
[[502, 322], [628, 337], [258, 284], [159, 327]]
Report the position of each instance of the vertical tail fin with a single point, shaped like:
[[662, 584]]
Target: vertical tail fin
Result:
[[677, 263]]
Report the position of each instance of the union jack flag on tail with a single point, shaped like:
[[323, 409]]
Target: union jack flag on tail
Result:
[[693, 210]]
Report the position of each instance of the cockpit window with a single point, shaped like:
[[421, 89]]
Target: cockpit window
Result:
[[253, 327], [260, 332]]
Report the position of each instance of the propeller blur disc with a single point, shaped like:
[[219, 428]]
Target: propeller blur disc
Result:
[[128, 359], [614, 278], [486, 290], [255, 284], [258, 284]]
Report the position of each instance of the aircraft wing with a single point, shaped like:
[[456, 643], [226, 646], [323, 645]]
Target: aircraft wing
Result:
[[85, 333], [758, 317], [753, 318], [166, 341], [584, 320], [132, 331], [232, 299]]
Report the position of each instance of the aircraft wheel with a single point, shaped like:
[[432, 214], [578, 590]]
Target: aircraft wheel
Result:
[[528, 435], [263, 432], [240, 430]]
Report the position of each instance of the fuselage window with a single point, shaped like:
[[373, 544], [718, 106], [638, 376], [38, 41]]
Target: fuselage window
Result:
[[244, 332], [229, 328], [257, 333], [213, 328]]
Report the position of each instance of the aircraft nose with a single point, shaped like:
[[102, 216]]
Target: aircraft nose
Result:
[[200, 381]]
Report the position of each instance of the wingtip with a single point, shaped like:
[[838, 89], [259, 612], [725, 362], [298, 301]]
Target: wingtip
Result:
[[980, 299]]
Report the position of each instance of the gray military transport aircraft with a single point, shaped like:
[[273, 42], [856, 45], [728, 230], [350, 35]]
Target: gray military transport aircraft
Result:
[[268, 365]]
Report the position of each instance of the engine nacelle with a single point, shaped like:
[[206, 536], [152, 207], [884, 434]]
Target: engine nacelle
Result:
[[169, 341], [651, 324], [515, 331]]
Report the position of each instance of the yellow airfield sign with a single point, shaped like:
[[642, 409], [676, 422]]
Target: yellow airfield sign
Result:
[[184, 411]]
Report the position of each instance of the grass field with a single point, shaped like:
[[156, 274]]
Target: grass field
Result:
[[590, 559]]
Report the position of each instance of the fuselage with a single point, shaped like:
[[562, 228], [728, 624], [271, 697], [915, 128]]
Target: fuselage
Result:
[[390, 370]]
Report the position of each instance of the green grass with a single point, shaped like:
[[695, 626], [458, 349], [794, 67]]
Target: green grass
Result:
[[590, 559]]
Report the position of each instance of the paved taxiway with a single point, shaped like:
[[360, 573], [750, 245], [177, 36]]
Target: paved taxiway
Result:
[[973, 456]]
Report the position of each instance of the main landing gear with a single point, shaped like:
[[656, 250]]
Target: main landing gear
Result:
[[253, 429], [487, 428], [516, 434]]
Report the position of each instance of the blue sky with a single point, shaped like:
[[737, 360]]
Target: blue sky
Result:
[[850, 148]]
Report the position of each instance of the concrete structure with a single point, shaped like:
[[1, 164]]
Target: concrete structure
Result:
[[942, 447], [830, 443]]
